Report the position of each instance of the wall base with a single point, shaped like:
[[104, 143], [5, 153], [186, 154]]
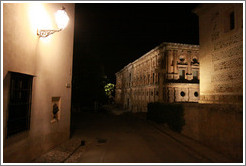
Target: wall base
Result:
[[217, 126]]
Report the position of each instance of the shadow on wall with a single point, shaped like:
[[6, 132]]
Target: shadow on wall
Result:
[[170, 114], [218, 126]]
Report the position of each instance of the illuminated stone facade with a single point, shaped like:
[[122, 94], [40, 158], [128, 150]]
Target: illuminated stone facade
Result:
[[221, 53], [168, 73], [217, 121]]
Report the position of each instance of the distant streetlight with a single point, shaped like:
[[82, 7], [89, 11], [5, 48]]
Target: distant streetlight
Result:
[[61, 22]]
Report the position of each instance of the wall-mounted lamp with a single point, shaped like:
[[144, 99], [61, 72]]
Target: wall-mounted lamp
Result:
[[61, 22]]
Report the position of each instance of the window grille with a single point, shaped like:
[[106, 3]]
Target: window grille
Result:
[[19, 109]]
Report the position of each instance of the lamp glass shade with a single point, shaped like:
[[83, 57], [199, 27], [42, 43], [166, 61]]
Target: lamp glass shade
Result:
[[61, 19]]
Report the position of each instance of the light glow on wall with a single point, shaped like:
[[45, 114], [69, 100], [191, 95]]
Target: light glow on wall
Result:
[[39, 17]]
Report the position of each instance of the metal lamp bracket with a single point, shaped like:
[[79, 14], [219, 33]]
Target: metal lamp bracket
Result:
[[45, 33]]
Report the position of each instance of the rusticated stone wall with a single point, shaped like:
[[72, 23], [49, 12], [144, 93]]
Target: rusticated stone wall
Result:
[[217, 121], [156, 77], [221, 53]]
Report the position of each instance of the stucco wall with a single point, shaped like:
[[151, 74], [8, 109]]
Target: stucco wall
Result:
[[221, 53], [217, 126], [49, 60]]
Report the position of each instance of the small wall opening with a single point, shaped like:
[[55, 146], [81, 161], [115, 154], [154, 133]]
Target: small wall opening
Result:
[[229, 21], [182, 93], [56, 109]]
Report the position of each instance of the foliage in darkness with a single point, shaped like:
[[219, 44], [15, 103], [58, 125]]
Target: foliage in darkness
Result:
[[109, 90]]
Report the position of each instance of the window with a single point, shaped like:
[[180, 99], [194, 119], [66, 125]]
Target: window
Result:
[[148, 78], [195, 74], [158, 78], [229, 23], [130, 79], [162, 63], [153, 78], [196, 94], [232, 21], [19, 109], [182, 93], [195, 61], [181, 74], [182, 58]]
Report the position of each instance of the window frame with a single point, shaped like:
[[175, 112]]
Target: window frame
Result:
[[183, 73], [19, 105]]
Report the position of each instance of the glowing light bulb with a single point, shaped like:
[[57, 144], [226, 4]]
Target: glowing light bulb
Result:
[[61, 18]]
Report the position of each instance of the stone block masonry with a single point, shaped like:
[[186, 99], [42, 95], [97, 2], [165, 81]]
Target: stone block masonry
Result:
[[167, 73], [221, 52], [217, 126]]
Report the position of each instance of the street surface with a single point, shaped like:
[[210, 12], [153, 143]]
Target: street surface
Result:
[[126, 139], [121, 137]]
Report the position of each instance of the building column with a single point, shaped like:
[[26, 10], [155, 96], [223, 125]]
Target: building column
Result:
[[161, 78], [189, 66], [169, 60], [175, 68], [169, 63]]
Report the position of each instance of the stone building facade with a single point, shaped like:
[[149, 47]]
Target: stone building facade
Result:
[[221, 52], [167, 73], [37, 75], [217, 121]]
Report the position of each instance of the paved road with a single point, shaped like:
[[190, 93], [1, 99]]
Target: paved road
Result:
[[126, 139]]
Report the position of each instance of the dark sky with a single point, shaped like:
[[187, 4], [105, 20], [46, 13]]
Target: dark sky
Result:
[[113, 35]]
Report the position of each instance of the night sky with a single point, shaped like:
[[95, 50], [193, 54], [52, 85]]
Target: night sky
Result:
[[117, 34], [110, 36]]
